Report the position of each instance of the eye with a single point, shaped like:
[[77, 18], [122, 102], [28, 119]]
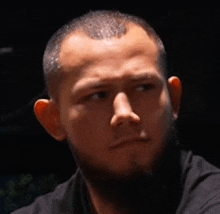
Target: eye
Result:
[[145, 87], [97, 96]]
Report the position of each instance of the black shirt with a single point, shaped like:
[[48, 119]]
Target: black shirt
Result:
[[200, 192]]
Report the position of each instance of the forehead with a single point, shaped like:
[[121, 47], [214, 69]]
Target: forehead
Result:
[[78, 50]]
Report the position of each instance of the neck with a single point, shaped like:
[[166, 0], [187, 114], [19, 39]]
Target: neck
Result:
[[141, 194], [120, 198], [101, 205]]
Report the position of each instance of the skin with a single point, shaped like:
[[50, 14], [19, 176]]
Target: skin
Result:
[[112, 91]]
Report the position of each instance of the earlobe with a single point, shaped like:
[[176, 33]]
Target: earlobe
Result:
[[175, 89], [48, 116]]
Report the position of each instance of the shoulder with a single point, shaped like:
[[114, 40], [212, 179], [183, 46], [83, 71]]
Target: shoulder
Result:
[[201, 184], [58, 201]]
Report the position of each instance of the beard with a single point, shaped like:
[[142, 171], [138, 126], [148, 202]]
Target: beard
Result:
[[96, 173], [140, 189]]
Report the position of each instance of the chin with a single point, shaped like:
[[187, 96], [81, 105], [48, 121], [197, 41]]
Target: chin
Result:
[[135, 167], [130, 170]]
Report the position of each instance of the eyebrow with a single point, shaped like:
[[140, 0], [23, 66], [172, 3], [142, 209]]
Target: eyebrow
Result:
[[97, 84], [91, 84], [144, 76]]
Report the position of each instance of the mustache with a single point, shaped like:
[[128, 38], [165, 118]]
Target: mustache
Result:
[[135, 134]]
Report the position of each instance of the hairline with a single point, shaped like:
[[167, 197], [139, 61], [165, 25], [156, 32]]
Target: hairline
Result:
[[75, 29]]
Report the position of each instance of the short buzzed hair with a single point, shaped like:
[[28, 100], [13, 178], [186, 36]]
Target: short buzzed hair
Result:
[[97, 25]]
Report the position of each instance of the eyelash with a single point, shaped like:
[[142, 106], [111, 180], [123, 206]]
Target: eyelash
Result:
[[145, 86], [100, 95], [97, 95]]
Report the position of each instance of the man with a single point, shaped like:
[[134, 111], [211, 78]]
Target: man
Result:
[[110, 98]]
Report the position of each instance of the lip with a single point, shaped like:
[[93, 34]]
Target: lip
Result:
[[129, 141]]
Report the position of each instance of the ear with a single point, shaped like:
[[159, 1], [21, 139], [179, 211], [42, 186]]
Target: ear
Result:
[[48, 115], [175, 89]]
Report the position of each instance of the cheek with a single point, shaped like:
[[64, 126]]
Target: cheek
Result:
[[158, 116], [86, 130], [163, 116]]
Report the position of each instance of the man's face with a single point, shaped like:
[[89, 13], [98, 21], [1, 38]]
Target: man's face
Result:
[[114, 102]]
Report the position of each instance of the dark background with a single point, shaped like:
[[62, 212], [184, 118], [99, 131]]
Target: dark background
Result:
[[191, 34]]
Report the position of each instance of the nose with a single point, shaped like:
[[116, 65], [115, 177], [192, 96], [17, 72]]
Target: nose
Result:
[[123, 112]]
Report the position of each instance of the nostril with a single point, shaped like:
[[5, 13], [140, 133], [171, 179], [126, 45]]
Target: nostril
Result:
[[123, 112], [119, 124], [118, 120]]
